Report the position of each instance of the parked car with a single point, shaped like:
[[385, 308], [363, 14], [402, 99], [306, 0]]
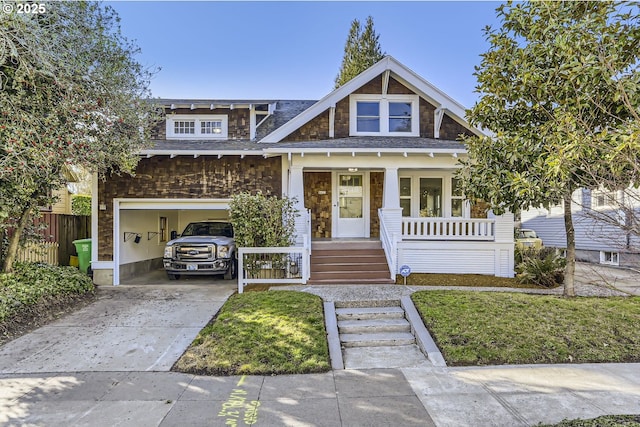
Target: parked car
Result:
[[204, 247], [527, 238]]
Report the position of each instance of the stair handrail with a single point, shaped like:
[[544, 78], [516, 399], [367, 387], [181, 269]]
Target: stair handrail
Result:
[[389, 245]]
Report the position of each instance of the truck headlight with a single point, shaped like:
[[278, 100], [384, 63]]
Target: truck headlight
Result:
[[168, 251], [223, 251]]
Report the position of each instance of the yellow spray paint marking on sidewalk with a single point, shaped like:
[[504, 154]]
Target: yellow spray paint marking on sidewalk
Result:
[[237, 410]]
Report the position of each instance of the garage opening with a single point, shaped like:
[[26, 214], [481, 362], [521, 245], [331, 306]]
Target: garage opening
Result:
[[143, 228]]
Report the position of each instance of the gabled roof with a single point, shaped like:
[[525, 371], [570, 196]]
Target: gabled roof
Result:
[[399, 72]]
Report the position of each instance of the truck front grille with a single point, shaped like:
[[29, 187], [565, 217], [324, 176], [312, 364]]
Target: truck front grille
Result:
[[195, 252]]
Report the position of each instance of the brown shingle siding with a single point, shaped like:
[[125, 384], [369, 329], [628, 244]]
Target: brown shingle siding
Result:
[[206, 177], [426, 118], [450, 129]]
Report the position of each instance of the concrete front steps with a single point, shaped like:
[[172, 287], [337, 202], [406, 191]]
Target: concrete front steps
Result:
[[376, 334], [348, 262]]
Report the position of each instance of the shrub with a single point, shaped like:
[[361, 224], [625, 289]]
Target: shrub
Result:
[[81, 205], [262, 221], [31, 283], [544, 267]]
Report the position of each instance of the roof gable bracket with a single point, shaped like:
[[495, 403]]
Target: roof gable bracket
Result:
[[437, 122], [332, 121], [385, 81]]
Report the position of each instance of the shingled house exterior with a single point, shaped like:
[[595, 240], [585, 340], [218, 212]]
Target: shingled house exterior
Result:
[[374, 160]]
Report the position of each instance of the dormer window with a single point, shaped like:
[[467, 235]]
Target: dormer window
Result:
[[393, 115], [184, 126]]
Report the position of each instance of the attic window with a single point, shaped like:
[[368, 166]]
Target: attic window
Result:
[[392, 115], [183, 126], [211, 127]]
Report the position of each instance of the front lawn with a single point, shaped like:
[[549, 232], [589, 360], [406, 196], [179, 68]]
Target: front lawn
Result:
[[261, 333], [493, 328]]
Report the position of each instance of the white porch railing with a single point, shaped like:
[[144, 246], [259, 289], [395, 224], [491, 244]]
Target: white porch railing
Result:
[[448, 229], [277, 265], [272, 265], [389, 243]]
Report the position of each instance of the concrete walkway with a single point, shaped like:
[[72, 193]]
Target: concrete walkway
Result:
[[108, 364]]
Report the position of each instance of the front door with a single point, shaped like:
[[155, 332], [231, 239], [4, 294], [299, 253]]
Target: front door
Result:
[[351, 205]]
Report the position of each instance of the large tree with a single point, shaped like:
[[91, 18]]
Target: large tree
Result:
[[361, 51], [71, 93], [559, 92]]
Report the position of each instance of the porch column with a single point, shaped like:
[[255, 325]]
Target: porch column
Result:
[[296, 190], [391, 191], [296, 186], [503, 244]]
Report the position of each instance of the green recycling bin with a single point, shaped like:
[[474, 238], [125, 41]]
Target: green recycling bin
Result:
[[83, 247]]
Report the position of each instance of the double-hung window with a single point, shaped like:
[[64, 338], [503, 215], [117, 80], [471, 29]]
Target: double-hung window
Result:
[[185, 126], [393, 115]]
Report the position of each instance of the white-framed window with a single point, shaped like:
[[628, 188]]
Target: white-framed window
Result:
[[187, 126], [608, 257], [393, 115], [457, 198], [405, 196], [431, 195], [603, 199]]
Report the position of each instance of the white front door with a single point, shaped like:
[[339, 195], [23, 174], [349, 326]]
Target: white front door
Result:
[[351, 207]]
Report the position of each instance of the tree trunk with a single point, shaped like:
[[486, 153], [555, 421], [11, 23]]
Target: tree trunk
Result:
[[14, 240], [570, 268]]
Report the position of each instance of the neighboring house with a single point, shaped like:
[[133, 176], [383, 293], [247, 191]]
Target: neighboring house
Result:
[[598, 240], [374, 159]]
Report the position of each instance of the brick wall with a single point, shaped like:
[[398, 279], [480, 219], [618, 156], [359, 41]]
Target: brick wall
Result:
[[185, 177]]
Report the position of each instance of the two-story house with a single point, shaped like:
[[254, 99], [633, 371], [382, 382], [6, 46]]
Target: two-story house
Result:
[[372, 160]]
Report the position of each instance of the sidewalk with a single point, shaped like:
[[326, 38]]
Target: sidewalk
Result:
[[419, 396], [108, 364]]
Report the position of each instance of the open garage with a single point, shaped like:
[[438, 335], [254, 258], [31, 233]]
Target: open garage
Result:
[[143, 226]]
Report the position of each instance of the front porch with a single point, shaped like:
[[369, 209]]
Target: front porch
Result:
[[418, 215]]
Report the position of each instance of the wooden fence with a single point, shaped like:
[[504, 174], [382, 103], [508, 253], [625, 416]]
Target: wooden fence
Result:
[[45, 252], [61, 230]]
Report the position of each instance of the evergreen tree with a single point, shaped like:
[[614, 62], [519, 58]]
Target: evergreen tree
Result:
[[361, 51]]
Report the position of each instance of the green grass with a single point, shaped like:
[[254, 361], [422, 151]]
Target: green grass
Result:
[[604, 421], [261, 333], [493, 328]]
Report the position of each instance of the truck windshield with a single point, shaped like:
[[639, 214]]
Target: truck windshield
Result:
[[528, 234], [208, 229]]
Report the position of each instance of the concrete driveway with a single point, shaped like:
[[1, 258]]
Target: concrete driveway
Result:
[[129, 328], [623, 279]]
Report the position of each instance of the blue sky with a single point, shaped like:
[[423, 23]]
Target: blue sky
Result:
[[293, 50]]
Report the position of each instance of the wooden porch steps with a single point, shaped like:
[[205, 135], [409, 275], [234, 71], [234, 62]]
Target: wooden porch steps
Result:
[[349, 262]]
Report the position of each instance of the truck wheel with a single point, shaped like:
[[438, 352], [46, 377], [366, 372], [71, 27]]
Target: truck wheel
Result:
[[173, 276], [231, 271]]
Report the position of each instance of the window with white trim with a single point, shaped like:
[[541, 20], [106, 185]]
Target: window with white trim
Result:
[[405, 196], [393, 115], [184, 126], [611, 258], [457, 199], [603, 198]]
